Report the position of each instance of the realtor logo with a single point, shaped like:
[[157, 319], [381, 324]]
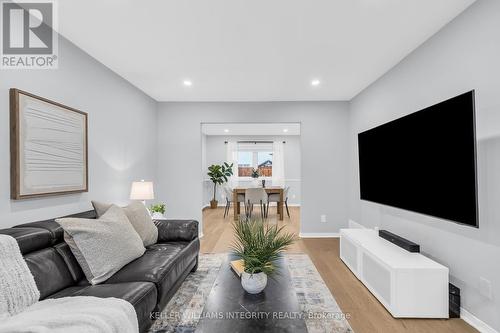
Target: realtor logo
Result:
[[29, 39]]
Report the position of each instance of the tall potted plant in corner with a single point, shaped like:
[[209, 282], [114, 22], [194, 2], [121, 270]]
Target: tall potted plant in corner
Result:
[[260, 246], [219, 174]]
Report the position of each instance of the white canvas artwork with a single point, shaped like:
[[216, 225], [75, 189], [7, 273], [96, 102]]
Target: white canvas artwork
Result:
[[52, 148]]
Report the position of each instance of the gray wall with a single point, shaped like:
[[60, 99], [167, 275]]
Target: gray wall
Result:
[[215, 153], [122, 132], [324, 133], [464, 55]]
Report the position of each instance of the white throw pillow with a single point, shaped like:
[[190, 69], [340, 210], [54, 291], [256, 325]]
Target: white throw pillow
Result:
[[139, 217], [102, 246]]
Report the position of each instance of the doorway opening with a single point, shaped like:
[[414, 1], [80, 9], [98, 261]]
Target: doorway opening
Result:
[[265, 156]]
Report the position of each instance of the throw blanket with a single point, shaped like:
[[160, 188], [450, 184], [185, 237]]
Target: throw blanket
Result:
[[20, 311], [17, 286], [80, 314]]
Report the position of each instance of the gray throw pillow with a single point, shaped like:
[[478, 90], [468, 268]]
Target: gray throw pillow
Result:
[[139, 217], [102, 246]]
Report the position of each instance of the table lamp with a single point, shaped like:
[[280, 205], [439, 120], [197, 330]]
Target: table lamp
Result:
[[142, 191]]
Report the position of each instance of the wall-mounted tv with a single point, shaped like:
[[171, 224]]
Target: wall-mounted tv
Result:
[[424, 162]]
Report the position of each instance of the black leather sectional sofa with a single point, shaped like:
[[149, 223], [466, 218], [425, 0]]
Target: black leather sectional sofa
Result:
[[148, 282]]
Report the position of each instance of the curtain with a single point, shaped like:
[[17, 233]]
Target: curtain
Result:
[[232, 157], [278, 164]]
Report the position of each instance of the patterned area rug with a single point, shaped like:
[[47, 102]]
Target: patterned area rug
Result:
[[319, 309]]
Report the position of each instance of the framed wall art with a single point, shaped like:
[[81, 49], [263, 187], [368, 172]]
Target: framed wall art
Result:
[[48, 145]]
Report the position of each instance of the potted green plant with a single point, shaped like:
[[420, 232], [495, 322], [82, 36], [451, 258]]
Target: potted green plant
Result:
[[157, 210], [255, 175], [219, 174], [259, 245]]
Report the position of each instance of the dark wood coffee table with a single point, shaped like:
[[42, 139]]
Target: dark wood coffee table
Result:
[[230, 309]]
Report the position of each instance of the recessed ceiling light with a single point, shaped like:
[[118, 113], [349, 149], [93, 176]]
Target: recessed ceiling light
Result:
[[285, 130], [226, 131], [315, 82], [187, 83]]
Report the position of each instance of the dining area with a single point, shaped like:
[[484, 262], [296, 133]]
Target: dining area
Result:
[[245, 198], [251, 170]]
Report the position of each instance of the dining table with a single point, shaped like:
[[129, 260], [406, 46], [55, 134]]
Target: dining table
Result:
[[269, 189]]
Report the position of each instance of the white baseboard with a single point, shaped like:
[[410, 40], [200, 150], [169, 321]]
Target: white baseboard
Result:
[[208, 206], [475, 322], [319, 235]]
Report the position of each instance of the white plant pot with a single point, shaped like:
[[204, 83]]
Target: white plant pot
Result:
[[253, 283], [157, 215]]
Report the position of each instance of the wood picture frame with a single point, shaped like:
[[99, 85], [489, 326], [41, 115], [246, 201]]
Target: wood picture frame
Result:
[[48, 147]]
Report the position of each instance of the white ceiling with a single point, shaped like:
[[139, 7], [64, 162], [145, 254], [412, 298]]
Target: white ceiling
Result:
[[252, 50], [254, 129]]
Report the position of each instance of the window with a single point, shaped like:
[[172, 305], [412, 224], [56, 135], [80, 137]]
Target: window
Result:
[[245, 163], [265, 163], [255, 157]]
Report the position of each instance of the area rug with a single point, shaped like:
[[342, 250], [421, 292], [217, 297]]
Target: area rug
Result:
[[319, 309]]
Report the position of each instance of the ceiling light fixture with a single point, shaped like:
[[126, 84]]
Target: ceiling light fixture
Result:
[[285, 130], [226, 131], [187, 83], [315, 83]]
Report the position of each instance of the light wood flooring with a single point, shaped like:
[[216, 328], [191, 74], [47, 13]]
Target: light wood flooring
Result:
[[367, 315]]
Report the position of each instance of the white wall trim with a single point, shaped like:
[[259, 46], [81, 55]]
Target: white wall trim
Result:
[[274, 204], [249, 179], [319, 235], [475, 322]]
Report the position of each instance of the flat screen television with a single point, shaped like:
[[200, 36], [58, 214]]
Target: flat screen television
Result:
[[424, 162]]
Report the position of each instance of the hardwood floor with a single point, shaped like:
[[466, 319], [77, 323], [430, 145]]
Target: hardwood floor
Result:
[[367, 315]]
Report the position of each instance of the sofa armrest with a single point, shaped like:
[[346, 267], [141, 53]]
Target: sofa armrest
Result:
[[176, 230]]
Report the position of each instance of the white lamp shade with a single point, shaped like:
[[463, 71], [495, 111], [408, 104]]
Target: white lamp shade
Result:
[[142, 191]]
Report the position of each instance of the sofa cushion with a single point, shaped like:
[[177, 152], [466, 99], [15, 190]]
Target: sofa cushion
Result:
[[55, 228], [29, 239], [74, 268], [49, 270], [162, 264], [102, 246], [176, 230], [142, 295]]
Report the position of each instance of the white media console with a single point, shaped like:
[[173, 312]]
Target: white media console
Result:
[[409, 285]]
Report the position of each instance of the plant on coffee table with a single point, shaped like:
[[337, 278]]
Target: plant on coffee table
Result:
[[259, 245]]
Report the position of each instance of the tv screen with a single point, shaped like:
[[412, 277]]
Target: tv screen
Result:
[[424, 162]]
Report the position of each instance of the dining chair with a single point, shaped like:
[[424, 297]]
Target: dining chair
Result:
[[228, 192], [254, 196], [275, 197]]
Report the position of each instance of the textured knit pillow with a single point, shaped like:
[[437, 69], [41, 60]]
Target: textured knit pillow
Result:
[[102, 246], [138, 216]]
